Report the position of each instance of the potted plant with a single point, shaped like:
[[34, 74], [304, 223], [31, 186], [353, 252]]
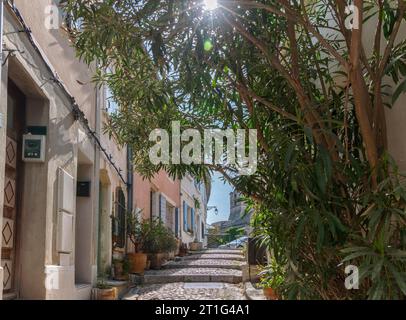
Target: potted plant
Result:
[[105, 291], [196, 245], [121, 269], [183, 250], [158, 242], [271, 279], [137, 260]]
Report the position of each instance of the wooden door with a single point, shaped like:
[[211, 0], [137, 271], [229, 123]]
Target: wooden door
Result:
[[12, 185]]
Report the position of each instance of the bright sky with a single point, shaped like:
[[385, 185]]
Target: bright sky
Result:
[[220, 197]]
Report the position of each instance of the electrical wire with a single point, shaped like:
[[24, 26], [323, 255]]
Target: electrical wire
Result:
[[77, 112]]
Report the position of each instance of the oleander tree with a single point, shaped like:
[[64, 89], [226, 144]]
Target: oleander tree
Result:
[[326, 192]]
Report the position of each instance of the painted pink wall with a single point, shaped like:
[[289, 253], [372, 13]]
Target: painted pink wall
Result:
[[161, 183]]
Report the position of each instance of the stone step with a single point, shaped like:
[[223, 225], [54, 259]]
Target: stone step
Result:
[[218, 251], [219, 256], [193, 275], [205, 263]]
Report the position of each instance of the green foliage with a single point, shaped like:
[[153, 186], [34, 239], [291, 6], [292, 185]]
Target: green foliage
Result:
[[158, 238], [234, 233], [316, 208], [272, 276]]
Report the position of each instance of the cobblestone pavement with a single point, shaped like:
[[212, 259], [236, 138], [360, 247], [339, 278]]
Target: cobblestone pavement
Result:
[[187, 291], [196, 271], [207, 275], [206, 262], [215, 256]]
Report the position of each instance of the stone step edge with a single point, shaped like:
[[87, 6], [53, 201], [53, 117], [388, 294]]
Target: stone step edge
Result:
[[217, 266], [156, 279], [237, 253], [196, 257]]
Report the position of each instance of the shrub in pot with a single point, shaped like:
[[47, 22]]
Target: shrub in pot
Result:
[[104, 291], [135, 232], [158, 242]]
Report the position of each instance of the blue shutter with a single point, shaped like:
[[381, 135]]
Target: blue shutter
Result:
[[192, 220], [184, 216], [176, 221]]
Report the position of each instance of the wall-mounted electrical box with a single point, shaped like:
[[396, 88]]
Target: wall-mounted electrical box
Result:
[[34, 148], [83, 189]]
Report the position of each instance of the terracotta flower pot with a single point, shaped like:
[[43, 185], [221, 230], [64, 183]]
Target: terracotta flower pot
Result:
[[196, 246], [138, 262], [106, 294], [157, 259], [270, 294]]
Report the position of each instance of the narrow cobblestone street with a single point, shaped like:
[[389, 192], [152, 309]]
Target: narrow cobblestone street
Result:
[[208, 275]]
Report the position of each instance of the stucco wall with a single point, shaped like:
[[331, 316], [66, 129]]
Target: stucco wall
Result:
[[60, 53], [189, 193], [48, 105], [161, 183]]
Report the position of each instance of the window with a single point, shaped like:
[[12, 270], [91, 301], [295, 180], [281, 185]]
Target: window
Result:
[[111, 104]]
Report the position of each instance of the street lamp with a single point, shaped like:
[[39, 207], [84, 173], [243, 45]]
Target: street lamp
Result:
[[216, 211]]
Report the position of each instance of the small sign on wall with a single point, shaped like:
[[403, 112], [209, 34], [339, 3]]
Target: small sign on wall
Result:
[[33, 148]]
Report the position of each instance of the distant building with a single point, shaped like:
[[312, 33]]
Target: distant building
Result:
[[237, 217], [194, 197]]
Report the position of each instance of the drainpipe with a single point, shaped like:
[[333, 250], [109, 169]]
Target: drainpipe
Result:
[[130, 179], [130, 186]]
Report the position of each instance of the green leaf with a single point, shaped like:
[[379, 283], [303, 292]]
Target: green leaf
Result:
[[400, 89], [399, 278], [356, 255]]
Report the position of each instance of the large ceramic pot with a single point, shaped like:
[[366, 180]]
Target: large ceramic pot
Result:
[[270, 294], [137, 262], [157, 260], [106, 294]]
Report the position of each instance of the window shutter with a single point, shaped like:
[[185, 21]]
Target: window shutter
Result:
[[192, 220], [176, 221], [184, 216]]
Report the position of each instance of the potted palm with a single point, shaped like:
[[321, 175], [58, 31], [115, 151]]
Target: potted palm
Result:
[[137, 260]]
